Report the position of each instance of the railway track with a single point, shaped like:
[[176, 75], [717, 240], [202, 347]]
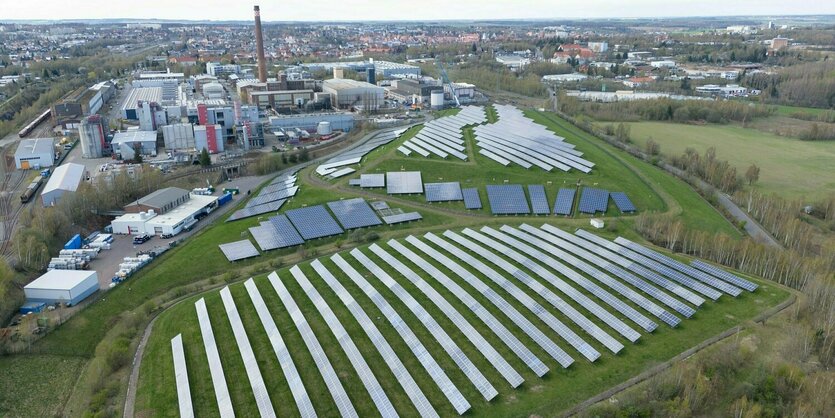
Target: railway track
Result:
[[10, 206]]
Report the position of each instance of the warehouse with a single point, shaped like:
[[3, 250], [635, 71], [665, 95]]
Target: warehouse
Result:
[[125, 143], [35, 153], [352, 94], [281, 98], [183, 217], [62, 286], [140, 94], [131, 223], [178, 136], [65, 179], [309, 121], [160, 201]]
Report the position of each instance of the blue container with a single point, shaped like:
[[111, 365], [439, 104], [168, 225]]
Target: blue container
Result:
[[74, 243], [226, 198], [32, 307]]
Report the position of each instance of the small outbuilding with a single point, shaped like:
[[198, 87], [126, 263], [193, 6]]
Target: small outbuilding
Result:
[[597, 223], [35, 153], [65, 286]]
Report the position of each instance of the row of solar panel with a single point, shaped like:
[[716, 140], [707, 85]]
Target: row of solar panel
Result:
[[594, 200], [540, 250], [269, 199], [355, 155], [443, 137]]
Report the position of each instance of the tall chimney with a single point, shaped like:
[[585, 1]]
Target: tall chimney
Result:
[[259, 44]]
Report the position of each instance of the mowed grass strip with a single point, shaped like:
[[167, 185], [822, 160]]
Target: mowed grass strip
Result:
[[560, 388]]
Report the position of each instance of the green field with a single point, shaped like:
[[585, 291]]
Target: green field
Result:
[[25, 375], [556, 391], [788, 167]]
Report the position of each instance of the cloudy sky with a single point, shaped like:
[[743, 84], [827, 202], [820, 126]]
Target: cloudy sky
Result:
[[319, 10]]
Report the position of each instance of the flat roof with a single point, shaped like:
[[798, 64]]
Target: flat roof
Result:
[[160, 197], [66, 177], [145, 94], [61, 279], [130, 217], [184, 211], [347, 83], [134, 136], [35, 146]]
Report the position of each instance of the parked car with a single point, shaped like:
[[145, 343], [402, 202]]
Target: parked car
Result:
[[141, 239]]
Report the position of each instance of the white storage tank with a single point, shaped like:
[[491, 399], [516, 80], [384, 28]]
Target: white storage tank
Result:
[[436, 99], [324, 128]]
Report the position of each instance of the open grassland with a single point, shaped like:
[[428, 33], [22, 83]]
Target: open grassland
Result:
[[556, 391], [788, 167], [24, 376]]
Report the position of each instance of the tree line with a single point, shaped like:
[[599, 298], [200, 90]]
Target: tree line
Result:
[[664, 109]]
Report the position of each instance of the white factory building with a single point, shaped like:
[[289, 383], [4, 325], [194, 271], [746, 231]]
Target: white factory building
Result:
[[218, 70], [172, 222], [348, 94], [178, 136], [201, 138], [65, 179], [65, 286], [125, 143], [35, 153]]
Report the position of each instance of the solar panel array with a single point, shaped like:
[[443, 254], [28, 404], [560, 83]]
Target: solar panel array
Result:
[[564, 203], [256, 210], [507, 199], [269, 199], [354, 155], [622, 202], [238, 250], [506, 267], [593, 200], [519, 140], [379, 205], [442, 137], [354, 213], [277, 232], [402, 217], [372, 180], [313, 222], [404, 182], [539, 202], [443, 192], [471, 198]]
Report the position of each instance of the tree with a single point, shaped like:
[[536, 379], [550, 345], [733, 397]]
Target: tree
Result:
[[137, 153], [752, 174], [652, 147], [622, 132], [205, 160]]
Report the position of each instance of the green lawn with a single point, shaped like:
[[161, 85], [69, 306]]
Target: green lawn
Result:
[[556, 391], [37, 385], [788, 167], [790, 110]]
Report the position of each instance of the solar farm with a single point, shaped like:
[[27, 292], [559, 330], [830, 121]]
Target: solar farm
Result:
[[435, 324]]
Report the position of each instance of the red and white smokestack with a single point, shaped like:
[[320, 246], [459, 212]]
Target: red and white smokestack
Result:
[[259, 45]]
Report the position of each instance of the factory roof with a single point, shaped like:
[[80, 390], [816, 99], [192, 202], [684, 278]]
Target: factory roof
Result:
[[152, 76], [346, 83], [183, 212], [35, 146], [65, 177], [145, 94], [60, 279], [134, 136], [269, 92], [161, 197]]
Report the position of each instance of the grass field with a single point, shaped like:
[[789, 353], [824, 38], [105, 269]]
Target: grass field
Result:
[[788, 167], [556, 391], [25, 375]]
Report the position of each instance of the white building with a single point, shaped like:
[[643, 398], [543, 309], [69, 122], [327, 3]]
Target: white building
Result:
[[663, 64], [213, 90], [514, 62], [125, 143], [599, 46], [65, 286], [65, 179], [217, 69], [35, 153], [564, 78], [348, 94], [178, 136], [201, 138], [727, 90], [172, 222]]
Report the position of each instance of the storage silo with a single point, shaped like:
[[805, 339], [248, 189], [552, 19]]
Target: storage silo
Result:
[[324, 128], [436, 100]]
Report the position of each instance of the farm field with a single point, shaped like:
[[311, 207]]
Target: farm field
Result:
[[555, 391], [28, 374], [788, 166]]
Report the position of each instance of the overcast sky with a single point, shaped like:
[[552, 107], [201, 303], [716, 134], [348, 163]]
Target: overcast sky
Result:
[[319, 10]]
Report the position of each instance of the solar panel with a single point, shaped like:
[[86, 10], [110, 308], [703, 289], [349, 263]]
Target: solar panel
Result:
[[487, 350], [724, 275], [272, 197], [282, 354], [354, 182], [181, 377], [404, 150], [590, 327], [378, 396], [565, 202], [238, 250], [555, 324], [497, 300], [341, 172], [313, 222], [354, 213], [447, 343], [622, 202], [264, 235], [402, 217], [372, 180], [256, 381], [337, 391], [403, 182], [443, 192], [224, 402], [593, 200], [256, 210], [508, 199], [539, 202], [635, 297], [284, 232], [379, 205], [387, 353], [471, 198]]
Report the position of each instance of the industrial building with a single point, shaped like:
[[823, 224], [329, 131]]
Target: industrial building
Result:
[[137, 95], [93, 135], [211, 112], [283, 83], [382, 69], [69, 287], [249, 135], [65, 179], [178, 136], [150, 76], [352, 94], [35, 153], [160, 201], [82, 102], [220, 70], [412, 90], [281, 98], [209, 137], [310, 121], [126, 143], [174, 221], [151, 116], [213, 90]]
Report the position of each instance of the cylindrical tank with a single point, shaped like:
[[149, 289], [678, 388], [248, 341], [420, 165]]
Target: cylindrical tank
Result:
[[324, 128], [436, 99]]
